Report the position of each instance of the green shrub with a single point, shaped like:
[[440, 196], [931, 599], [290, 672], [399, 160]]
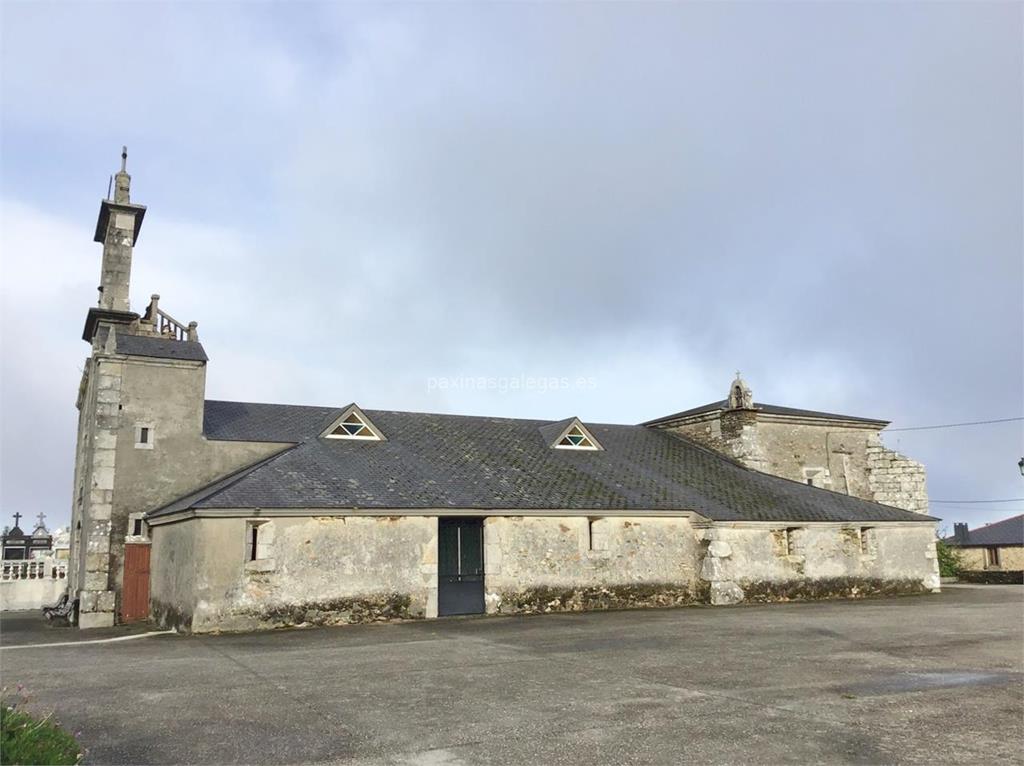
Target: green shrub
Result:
[[949, 559], [27, 739]]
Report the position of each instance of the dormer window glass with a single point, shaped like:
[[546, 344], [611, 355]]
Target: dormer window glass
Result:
[[574, 438], [353, 424]]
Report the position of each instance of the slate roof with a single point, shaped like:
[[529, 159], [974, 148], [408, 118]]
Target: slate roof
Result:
[[161, 348], [771, 409], [434, 461], [1006, 532], [551, 431], [155, 346], [244, 421]]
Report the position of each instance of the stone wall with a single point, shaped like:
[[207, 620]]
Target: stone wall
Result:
[[173, 579], [168, 397], [831, 456], [335, 570], [770, 563], [896, 479], [115, 477], [541, 564], [312, 570], [1011, 557], [843, 457], [93, 504]]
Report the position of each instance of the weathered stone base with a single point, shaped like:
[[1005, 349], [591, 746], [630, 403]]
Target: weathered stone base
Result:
[[539, 600], [342, 611], [95, 608], [95, 619], [169, 617], [585, 599], [829, 588], [992, 576]]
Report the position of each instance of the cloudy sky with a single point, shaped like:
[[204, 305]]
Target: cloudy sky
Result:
[[384, 203]]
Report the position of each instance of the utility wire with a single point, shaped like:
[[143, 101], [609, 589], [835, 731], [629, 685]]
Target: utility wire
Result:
[[954, 425], [973, 502]]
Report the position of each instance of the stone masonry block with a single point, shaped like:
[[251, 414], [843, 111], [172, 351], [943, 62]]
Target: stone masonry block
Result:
[[720, 549], [86, 601], [712, 568], [103, 477], [108, 409], [725, 593], [105, 601], [97, 562], [95, 581], [105, 440], [104, 458], [88, 620], [108, 396]]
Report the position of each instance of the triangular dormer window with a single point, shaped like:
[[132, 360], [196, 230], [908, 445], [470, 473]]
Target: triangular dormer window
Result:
[[353, 424], [571, 434], [576, 438]]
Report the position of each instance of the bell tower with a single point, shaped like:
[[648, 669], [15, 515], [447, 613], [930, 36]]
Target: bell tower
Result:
[[117, 229]]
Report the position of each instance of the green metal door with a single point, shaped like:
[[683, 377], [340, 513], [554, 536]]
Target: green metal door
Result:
[[460, 566]]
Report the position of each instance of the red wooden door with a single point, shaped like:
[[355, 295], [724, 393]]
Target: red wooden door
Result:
[[135, 593]]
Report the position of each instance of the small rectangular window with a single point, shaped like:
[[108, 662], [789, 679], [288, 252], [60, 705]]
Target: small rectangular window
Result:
[[137, 527], [254, 541], [791, 540], [992, 557], [865, 540], [144, 436]]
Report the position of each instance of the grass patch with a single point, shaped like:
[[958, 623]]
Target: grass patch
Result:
[[27, 739]]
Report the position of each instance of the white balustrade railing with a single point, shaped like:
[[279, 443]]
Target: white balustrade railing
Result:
[[33, 569]]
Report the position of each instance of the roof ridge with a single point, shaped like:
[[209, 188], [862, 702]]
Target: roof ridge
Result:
[[423, 412], [996, 523], [275, 404], [765, 407]]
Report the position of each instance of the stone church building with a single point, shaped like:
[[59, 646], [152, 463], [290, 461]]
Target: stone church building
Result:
[[216, 515]]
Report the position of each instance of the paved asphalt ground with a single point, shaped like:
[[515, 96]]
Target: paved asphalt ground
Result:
[[927, 679]]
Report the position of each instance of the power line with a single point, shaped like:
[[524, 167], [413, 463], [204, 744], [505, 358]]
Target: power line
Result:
[[954, 425], [972, 508], [973, 502]]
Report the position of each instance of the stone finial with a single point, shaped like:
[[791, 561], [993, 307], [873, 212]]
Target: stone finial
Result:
[[740, 397], [193, 331], [153, 308], [123, 181]]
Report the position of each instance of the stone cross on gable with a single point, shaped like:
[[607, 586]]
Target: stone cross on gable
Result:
[[41, 516], [17, 518]]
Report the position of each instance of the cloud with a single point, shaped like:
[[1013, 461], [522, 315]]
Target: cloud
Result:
[[354, 200]]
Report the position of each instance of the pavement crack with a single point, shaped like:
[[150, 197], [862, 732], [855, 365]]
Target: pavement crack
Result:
[[261, 677]]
